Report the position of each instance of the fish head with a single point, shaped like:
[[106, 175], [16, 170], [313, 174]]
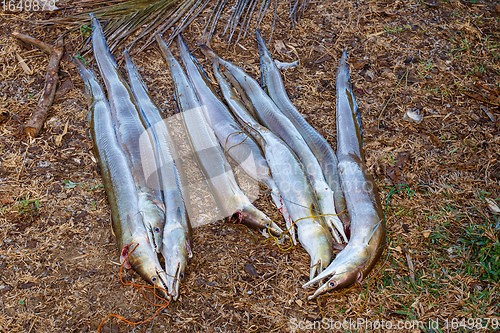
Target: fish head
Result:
[[153, 215], [350, 265], [140, 256], [176, 251], [342, 279], [253, 217]]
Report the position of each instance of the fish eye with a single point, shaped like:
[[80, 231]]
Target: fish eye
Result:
[[153, 279], [332, 284], [157, 229], [181, 276]]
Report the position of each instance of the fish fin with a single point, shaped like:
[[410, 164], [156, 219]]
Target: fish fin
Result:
[[372, 231], [188, 247], [112, 229], [160, 205], [359, 278], [123, 256], [338, 246], [209, 53]]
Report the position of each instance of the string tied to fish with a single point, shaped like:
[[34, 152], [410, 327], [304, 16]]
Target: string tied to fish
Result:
[[287, 231], [160, 307], [226, 150]]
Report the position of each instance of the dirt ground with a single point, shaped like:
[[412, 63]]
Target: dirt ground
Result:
[[59, 261]]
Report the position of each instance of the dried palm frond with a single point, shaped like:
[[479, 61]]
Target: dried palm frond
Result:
[[146, 18]]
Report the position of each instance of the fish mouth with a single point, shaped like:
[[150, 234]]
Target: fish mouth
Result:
[[162, 282], [176, 251], [173, 282], [348, 268], [338, 281], [138, 254]]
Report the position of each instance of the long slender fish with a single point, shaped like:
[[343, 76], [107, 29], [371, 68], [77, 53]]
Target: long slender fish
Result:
[[291, 179], [271, 80], [129, 129], [210, 156], [176, 248], [120, 187], [235, 141], [270, 116], [368, 231]]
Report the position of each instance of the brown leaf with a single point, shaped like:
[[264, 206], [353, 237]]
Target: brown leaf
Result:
[[26, 285], [250, 269], [412, 78], [318, 48], [280, 47], [59, 138], [63, 89], [476, 118], [393, 173], [359, 64], [402, 159], [434, 139], [323, 59]]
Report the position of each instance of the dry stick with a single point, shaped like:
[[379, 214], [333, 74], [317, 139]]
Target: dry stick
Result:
[[33, 41], [49, 90]]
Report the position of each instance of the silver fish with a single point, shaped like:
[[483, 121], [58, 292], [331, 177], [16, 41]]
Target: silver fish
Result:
[[176, 248], [210, 156], [120, 187], [270, 116], [368, 231], [273, 84], [132, 136], [235, 141], [290, 177]]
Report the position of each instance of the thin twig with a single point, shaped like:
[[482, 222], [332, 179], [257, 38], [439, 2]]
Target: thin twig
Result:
[[32, 324], [390, 97], [410, 267]]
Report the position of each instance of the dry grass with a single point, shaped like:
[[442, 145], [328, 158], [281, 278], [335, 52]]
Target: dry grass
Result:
[[58, 258]]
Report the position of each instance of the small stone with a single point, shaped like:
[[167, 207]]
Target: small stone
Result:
[[413, 116]]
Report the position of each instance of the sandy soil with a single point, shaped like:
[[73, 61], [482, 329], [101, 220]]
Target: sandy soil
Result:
[[58, 258]]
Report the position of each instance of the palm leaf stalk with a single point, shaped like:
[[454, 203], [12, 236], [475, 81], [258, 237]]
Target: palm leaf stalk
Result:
[[146, 18]]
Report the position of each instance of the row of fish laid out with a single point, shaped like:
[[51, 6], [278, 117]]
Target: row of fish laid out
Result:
[[257, 129]]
